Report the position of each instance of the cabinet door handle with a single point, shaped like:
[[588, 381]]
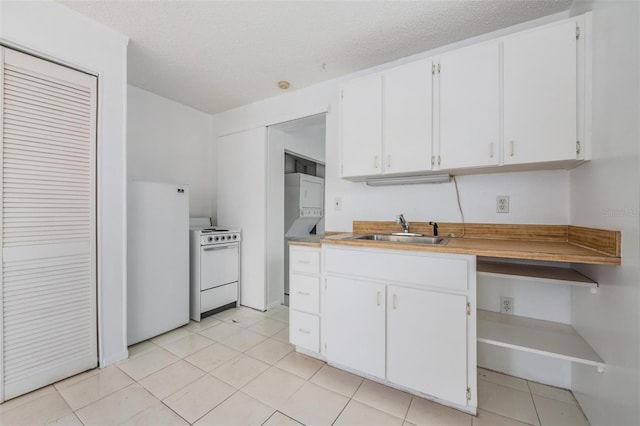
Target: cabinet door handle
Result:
[[438, 160], [303, 331], [395, 301], [388, 160], [511, 148], [376, 162], [378, 298], [491, 150], [303, 293]]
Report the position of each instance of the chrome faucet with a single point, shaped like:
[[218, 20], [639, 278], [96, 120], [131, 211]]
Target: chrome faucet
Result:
[[405, 225]]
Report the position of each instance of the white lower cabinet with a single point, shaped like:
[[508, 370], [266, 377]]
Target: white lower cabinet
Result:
[[304, 302], [304, 330], [427, 342], [415, 332], [355, 325]]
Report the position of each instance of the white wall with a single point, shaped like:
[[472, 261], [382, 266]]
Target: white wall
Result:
[[54, 31], [171, 142], [605, 194], [307, 143]]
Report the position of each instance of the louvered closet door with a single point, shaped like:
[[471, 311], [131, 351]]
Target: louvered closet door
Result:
[[48, 279]]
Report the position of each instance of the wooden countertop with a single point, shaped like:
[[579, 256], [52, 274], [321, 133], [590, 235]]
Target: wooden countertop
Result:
[[530, 242], [508, 249], [310, 241], [555, 243]]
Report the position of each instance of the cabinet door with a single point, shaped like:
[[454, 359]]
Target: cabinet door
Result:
[[427, 342], [362, 126], [470, 107], [355, 316], [540, 104], [407, 118]]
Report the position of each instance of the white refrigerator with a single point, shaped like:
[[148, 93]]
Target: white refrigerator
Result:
[[157, 259]]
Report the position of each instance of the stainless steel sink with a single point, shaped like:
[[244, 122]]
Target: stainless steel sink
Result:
[[407, 234], [402, 238]]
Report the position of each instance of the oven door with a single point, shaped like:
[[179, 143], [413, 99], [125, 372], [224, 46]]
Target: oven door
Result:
[[218, 265]]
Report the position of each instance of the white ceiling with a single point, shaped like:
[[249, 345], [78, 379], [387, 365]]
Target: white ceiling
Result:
[[217, 55]]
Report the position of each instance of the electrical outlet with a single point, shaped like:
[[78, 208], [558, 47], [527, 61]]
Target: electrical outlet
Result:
[[502, 204], [337, 203], [506, 305]]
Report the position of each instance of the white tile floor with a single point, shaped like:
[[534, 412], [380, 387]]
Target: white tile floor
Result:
[[237, 368]]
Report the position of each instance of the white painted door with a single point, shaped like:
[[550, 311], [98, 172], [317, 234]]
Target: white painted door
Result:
[[427, 342], [407, 118], [470, 107], [242, 202], [48, 240], [362, 126], [540, 104], [355, 318]]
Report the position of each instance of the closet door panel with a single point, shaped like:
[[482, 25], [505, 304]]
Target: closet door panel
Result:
[[48, 216]]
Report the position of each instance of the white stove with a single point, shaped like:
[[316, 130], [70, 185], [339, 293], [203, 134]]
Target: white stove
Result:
[[215, 269], [218, 235]]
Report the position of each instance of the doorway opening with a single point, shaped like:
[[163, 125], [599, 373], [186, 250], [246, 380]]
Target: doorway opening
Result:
[[301, 172]]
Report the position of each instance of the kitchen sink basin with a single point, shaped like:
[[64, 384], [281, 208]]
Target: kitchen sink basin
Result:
[[411, 239]]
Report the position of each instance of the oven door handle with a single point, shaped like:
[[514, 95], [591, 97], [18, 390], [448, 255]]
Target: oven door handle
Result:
[[226, 246]]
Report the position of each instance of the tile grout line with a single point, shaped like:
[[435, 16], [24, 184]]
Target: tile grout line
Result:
[[174, 411], [349, 402], [212, 408], [534, 403], [404, 419], [278, 411]]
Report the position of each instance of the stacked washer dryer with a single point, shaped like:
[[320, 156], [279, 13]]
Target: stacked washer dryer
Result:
[[215, 268]]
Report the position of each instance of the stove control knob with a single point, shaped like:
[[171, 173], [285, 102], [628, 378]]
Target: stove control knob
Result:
[[235, 236], [217, 238], [210, 239]]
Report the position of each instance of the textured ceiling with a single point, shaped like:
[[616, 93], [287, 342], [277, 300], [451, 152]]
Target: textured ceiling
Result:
[[217, 55]]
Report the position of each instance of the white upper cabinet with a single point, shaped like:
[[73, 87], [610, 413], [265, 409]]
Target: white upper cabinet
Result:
[[362, 126], [386, 122], [469, 83], [540, 103], [521, 99], [407, 118]]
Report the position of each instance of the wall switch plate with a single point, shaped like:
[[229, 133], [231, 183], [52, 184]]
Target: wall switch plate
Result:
[[337, 203], [506, 305], [502, 204]]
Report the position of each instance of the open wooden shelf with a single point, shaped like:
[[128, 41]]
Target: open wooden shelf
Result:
[[540, 273], [548, 338]]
